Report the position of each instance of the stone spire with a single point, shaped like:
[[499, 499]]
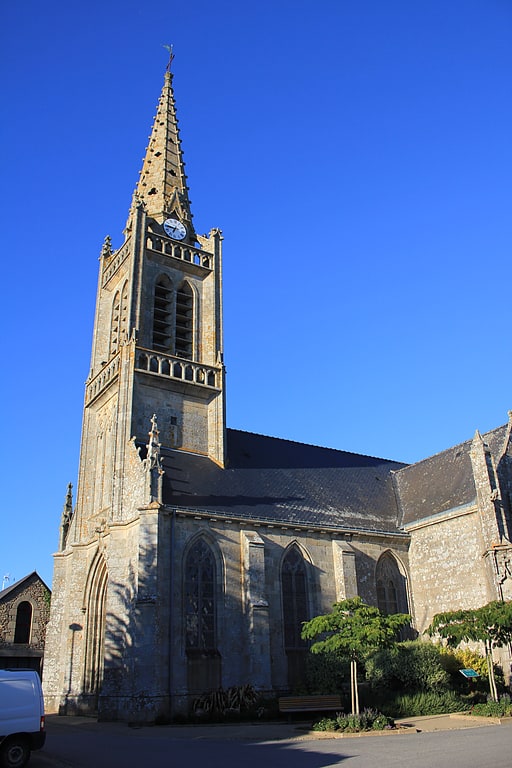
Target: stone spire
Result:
[[162, 184], [67, 514]]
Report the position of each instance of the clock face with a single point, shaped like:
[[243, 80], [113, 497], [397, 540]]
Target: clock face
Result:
[[175, 229]]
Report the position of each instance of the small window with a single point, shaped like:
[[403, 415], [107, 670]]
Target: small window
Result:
[[23, 623]]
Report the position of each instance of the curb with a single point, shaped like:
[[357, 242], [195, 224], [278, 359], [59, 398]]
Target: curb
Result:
[[483, 719]]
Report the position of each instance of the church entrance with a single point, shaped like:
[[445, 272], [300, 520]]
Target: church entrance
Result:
[[95, 633]]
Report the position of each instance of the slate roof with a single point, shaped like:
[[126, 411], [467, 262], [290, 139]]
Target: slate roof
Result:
[[441, 482], [20, 583], [281, 481]]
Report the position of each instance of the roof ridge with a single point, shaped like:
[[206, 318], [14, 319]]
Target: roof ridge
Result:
[[452, 448], [5, 592], [315, 445]]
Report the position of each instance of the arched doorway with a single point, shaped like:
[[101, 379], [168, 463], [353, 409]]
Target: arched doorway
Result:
[[95, 629]]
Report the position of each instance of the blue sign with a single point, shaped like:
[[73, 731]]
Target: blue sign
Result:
[[469, 673]]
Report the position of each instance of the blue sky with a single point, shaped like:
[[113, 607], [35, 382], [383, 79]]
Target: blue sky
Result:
[[356, 155]]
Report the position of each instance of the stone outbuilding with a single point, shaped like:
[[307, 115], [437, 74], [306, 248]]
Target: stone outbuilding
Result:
[[24, 615]]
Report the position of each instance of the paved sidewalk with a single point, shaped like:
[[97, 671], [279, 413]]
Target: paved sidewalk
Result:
[[453, 722], [274, 731]]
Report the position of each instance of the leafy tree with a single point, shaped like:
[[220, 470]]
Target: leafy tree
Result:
[[491, 625], [351, 630]]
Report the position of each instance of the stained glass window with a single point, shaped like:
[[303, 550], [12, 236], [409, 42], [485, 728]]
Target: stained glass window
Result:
[[391, 591], [200, 597], [295, 607]]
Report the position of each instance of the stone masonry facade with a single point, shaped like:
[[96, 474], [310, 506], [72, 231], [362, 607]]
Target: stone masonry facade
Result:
[[24, 616], [193, 552]]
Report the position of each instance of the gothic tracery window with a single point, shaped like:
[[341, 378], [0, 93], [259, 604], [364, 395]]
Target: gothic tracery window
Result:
[[200, 582], [390, 583], [294, 589]]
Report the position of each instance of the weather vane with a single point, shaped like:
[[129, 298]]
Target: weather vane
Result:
[[171, 57]]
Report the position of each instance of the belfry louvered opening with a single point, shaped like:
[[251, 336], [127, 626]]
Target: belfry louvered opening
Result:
[[119, 319], [184, 321], [162, 315], [115, 324]]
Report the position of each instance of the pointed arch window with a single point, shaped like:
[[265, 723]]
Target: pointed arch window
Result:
[[200, 602], [23, 623], [184, 321], [391, 587], [294, 594], [162, 315]]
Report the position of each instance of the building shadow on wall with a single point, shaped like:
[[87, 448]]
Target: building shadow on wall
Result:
[[130, 640]]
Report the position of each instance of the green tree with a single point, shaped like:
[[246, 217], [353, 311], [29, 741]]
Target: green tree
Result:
[[491, 625], [351, 630]]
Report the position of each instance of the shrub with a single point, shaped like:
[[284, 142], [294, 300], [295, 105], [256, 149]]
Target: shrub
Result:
[[325, 724], [382, 722], [367, 720], [222, 703], [501, 708], [425, 703], [455, 659], [413, 665], [325, 672]]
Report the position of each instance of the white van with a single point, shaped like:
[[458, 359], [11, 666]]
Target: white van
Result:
[[21, 716]]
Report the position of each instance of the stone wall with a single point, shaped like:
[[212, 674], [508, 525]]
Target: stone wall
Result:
[[34, 591], [447, 566], [249, 598], [24, 654]]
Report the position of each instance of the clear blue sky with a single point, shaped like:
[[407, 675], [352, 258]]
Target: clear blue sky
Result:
[[356, 155]]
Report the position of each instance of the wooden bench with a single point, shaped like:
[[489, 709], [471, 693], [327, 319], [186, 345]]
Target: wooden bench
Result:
[[320, 703]]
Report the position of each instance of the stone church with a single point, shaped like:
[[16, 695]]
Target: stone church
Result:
[[193, 552]]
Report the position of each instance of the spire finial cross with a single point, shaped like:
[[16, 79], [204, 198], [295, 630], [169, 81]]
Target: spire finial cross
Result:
[[171, 57]]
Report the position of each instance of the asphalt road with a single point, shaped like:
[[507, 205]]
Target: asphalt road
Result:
[[101, 745]]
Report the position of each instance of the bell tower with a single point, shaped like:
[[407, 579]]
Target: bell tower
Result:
[[156, 384], [157, 341]]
